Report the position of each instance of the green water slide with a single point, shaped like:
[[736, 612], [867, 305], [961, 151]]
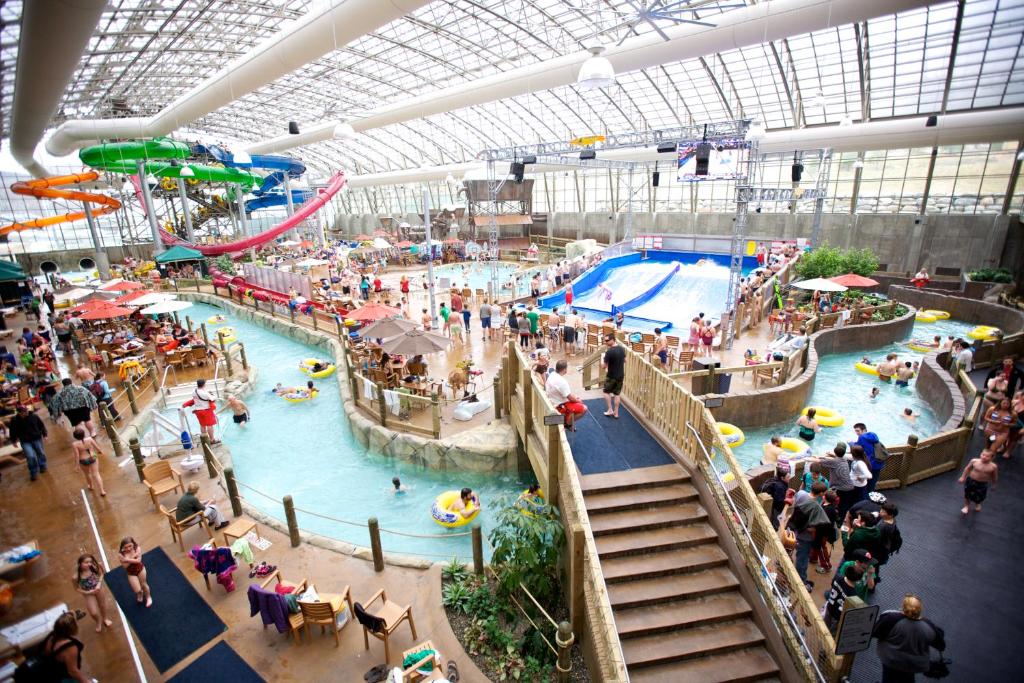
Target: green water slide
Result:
[[123, 157]]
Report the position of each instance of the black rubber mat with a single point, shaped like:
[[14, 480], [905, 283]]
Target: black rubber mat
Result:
[[604, 444]]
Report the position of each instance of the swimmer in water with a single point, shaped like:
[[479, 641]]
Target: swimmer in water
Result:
[[909, 416], [462, 503], [399, 487], [874, 393]]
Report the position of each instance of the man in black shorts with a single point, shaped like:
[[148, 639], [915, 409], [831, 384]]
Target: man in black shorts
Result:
[[77, 403], [615, 363]]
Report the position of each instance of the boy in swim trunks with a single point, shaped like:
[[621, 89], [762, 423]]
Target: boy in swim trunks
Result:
[[240, 411], [904, 374], [979, 473], [661, 347]]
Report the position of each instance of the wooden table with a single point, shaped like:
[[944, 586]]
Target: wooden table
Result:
[[238, 528]]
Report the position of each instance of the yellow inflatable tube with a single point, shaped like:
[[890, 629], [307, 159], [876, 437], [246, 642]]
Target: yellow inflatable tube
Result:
[[299, 396], [307, 365], [447, 518], [867, 369], [226, 334], [798, 448], [826, 417], [732, 435], [938, 315], [920, 346], [983, 332], [216, 319], [531, 505], [925, 317]]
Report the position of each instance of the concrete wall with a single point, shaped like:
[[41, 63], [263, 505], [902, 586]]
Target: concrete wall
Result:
[[1009, 320], [769, 406], [943, 395], [67, 260]]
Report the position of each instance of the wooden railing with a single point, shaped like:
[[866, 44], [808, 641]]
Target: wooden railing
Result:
[[415, 414], [519, 393]]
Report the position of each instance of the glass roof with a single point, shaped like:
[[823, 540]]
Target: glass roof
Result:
[[145, 53]]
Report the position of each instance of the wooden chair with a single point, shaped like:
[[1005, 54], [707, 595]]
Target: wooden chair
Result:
[[648, 341], [382, 623], [160, 478], [769, 376], [176, 358], [673, 343], [412, 673], [178, 528], [685, 360], [325, 613], [295, 621], [198, 356]]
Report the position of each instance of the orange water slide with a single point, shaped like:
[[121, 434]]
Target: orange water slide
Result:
[[48, 187]]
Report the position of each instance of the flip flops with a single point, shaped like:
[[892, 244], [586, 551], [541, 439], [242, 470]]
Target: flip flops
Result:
[[263, 569], [453, 672], [377, 674]]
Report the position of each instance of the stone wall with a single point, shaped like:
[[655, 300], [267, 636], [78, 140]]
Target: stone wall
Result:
[[1009, 320], [489, 448], [942, 393], [765, 407]]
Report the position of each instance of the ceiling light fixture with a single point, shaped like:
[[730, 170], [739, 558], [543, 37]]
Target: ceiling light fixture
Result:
[[596, 72], [187, 172]]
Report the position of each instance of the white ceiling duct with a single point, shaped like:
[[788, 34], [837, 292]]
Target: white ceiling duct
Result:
[[325, 28], [54, 34], [752, 25]]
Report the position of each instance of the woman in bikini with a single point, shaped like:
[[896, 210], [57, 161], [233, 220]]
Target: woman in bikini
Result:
[[85, 449], [996, 390], [88, 581], [130, 556], [998, 421]]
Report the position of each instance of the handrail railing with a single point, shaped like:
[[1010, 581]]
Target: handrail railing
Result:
[[733, 514]]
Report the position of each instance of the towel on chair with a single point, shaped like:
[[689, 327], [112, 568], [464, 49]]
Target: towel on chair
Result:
[[271, 607], [393, 401]]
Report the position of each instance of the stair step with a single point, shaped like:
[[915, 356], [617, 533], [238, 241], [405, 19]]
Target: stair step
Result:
[[636, 520], [681, 614], [653, 540], [683, 560], [613, 501], [652, 591], [740, 666], [691, 643], [634, 479]]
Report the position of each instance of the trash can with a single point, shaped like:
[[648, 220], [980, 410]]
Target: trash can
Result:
[[701, 384]]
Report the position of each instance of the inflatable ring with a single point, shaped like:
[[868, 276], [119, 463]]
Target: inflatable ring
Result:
[[306, 366], [867, 369], [924, 317], [216, 319], [983, 332], [226, 334], [129, 368], [938, 315], [732, 435], [168, 184], [530, 507], [798, 448], [445, 517], [298, 396], [919, 346], [826, 417]]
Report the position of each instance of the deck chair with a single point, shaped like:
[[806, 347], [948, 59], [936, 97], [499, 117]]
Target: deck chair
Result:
[[176, 359], [686, 360], [197, 356], [178, 528], [413, 673], [384, 621], [769, 376], [295, 621], [160, 478], [325, 614]]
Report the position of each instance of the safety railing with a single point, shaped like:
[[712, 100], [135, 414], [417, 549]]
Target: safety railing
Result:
[[519, 394]]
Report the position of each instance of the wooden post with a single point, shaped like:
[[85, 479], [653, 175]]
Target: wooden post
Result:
[[177, 320], [256, 304], [382, 407], [577, 617], [293, 523], [375, 548], [435, 412], [908, 456], [313, 314], [206, 338], [766, 503], [108, 426], [478, 549], [174, 282], [242, 357], [188, 324], [197, 285], [211, 467], [527, 403], [129, 388], [341, 328], [554, 458], [497, 396], [564, 639], [236, 501], [136, 448], [272, 307], [215, 292]]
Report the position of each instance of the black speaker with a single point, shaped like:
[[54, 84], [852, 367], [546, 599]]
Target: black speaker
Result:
[[293, 127], [932, 121], [588, 154], [656, 178], [517, 170], [798, 171], [703, 156]]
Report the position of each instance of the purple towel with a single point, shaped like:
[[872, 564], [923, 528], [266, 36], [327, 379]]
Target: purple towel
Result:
[[271, 607]]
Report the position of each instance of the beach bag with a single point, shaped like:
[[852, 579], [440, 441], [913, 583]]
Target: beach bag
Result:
[[881, 452], [96, 389]]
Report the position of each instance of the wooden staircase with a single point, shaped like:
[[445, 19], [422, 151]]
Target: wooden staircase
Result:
[[677, 603]]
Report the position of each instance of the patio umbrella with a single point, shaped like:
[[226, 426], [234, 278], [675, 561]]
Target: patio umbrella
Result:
[[105, 312], [151, 298], [404, 244], [853, 280], [90, 305], [130, 297], [166, 307], [122, 286], [372, 311], [819, 284], [387, 327], [415, 342]]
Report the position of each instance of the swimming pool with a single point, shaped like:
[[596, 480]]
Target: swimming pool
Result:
[[478, 275], [841, 387], [665, 289], [308, 451]]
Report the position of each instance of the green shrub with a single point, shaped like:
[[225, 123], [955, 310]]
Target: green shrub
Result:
[[456, 596], [455, 570], [526, 550], [1000, 275], [827, 261]]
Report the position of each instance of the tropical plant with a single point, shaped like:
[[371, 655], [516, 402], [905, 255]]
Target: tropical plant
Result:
[[828, 261], [1000, 275], [224, 264], [455, 570], [526, 549], [456, 596]]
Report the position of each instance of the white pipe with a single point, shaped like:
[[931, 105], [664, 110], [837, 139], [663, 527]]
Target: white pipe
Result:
[[752, 25], [951, 129], [322, 30], [54, 34]]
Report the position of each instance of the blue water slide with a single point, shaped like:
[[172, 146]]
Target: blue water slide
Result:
[[269, 192], [590, 279], [647, 295]]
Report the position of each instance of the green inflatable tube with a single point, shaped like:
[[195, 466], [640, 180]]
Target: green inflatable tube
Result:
[[122, 157]]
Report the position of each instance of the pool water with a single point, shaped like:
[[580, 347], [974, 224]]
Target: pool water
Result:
[[845, 389], [478, 275], [307, 450]]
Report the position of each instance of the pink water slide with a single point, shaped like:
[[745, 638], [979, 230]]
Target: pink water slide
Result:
[[309, 208]]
